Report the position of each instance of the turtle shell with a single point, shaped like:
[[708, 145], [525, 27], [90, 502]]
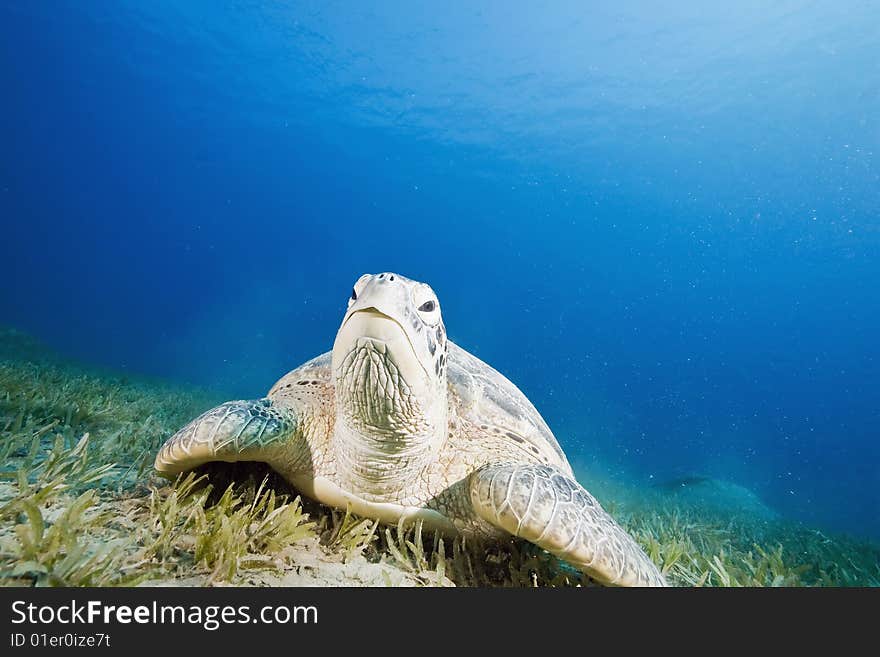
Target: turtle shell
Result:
[[487, 397]]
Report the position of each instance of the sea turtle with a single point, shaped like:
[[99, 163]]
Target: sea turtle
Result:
[[397, 421]]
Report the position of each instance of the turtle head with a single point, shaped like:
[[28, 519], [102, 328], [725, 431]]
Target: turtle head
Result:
[[389, 365]]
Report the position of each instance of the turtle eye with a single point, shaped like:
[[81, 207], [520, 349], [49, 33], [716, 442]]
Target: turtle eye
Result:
[[354, 295], [427, 307]]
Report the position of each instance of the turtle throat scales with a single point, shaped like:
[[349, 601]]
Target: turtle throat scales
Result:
[[390, 385]]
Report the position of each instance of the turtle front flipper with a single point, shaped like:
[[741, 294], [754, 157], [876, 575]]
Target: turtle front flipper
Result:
[[542, 505], [244, 430]]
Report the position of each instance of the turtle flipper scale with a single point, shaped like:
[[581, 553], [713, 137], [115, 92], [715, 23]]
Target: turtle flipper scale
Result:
[[242, 430], [547, 507]]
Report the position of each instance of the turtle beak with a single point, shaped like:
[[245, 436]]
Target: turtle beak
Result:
[[374, 324], [384, 331]]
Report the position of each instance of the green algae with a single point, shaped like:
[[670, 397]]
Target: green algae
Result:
[[80, 506]]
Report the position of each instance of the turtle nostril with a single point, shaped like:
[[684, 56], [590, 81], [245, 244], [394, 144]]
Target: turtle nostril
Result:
[[391, 278]]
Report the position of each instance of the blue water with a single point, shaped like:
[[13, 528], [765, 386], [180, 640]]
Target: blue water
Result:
[[660, 219]]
